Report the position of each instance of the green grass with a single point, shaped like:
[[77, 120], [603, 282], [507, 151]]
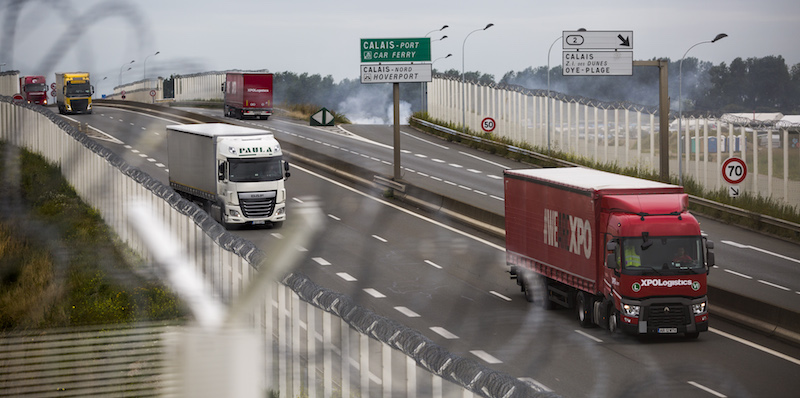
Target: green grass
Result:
[[304, 112], [60, 264]]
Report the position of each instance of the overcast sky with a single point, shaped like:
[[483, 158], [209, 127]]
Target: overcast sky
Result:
[[322, 37]]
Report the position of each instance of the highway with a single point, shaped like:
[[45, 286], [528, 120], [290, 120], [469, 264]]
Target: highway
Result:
[[449, 281]]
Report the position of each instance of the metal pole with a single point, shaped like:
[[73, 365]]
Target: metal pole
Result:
[[396, 97], [547, 101], [463, 81]]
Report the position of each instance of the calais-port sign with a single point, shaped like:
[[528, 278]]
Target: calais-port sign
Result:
[[396, 50]]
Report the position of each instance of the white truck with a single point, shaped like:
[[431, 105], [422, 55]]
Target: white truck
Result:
[[235, 173]]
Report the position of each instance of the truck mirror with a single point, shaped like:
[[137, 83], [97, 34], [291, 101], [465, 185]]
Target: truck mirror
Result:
[[221, 171], [709, 245], [710, 260], [286, 166], [611, 260], [92, 89]]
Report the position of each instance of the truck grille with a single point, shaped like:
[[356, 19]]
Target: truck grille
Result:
[[79, 105], [667, 315], [257, 207]]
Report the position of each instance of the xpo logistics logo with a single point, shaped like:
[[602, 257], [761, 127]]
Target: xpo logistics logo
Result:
[[568, 232], [637, 286]]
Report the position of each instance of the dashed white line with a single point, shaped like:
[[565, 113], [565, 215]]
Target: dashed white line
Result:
[[432, 264], [443, 332], [474, 171], [458, 166], [277, 235], [298, 200], [500, 295], [346, 276], [379, 238], [584, 334], [738, 274], [334, 217], [438, 160], [374, 293], [774, 285], [407, 312], [497, 197], [419, 155], [465, 187], [486, 357], [495, 177], [162, 165], [321, 261], [706, 389]]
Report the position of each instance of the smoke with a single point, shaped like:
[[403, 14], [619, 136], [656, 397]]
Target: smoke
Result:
[[373, 105]]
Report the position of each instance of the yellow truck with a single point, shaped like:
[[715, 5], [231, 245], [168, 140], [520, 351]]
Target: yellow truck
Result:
[[74, 93]]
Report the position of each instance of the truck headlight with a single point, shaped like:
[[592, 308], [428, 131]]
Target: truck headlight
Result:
[[233, 213], [630, 310], [699, 308]]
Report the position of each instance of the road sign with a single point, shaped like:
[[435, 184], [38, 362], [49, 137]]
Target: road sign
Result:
[[396, 50], [323, 117], [734, 191], [53, 86], [734, 170], [597, 40], [488, 124], [53, 93], [597, 63], [18, 98], [152, 93], [396, 73]]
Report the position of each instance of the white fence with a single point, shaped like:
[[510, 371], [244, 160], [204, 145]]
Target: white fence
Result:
[[322, 345], [626, 135]]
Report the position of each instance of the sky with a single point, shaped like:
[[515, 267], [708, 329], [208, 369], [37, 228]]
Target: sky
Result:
[[322, 37]]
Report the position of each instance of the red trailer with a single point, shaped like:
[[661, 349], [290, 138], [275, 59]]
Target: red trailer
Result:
[[248, 95], [608, 246], [34, 89]]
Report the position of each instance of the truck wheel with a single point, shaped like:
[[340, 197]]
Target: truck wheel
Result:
[[540, 293], [527, 286], [583, 303]]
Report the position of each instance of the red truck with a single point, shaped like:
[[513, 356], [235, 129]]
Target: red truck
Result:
[[34, 89], [248, 95], [610, 247]]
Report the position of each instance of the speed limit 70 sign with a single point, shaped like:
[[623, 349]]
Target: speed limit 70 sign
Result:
[[734, 170]]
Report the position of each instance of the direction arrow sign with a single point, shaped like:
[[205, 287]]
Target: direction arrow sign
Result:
[[396, 73], [396, 50], [597, 63], [597, 40]]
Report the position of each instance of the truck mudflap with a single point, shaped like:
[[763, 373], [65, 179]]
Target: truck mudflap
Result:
[[670, 315]]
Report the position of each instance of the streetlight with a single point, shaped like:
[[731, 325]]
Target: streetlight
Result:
[[463, 91], [437, 30], [98, 83], [120, 70], [144, 74], [680, 102], [425, 85]]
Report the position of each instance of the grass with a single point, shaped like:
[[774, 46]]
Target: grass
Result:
[[60, 265], [304, 112]]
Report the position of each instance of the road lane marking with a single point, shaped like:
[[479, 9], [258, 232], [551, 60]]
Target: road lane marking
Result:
[[334, 217], [374, 293], [484, 160], [486, 357], [738, 274], [758, 249], [706, 389], [774, 285], [321, 261], [443, 332], [756, 346], [346, 276], [426, 141], [379, 238], [432, 264], [500, 295], [584, 334], [407, 312]]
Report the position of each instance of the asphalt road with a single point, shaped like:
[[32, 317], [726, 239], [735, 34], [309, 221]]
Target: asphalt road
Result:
[[449, 282]]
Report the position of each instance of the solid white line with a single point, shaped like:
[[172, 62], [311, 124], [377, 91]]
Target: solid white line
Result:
[[756, 346], [774, 285], [346, 276], [374, 293], [758, 249], [398, 208], [432, 264], [584, 334], [738, 274], [407, 312], [443, 332], [500, 295], [486, 357], [706, 389], [321, 261]]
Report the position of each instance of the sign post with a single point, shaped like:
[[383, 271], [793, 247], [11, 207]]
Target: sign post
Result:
[[396, 61]]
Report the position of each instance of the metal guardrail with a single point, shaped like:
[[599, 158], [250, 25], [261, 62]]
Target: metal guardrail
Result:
[[789, 228]]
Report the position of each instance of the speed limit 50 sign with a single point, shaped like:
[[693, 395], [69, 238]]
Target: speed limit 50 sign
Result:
[[734, 170]]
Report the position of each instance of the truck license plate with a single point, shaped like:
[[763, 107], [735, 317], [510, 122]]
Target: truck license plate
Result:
[[259, 222], [667, 330]]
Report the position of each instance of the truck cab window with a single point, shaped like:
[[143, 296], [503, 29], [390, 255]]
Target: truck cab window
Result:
[[672, 255], [255, 170]]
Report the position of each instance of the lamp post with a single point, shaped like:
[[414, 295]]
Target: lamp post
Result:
[[547, 101], [680, 102], [101, 80], [437, 30], [423, 85], [463, 91], [144, 74], [120, 70]]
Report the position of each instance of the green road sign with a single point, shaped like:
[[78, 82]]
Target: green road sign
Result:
[[396, 50]]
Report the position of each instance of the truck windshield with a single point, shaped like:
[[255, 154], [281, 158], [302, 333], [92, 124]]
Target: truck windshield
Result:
[[255, 170], [29, 88], [662, 255], [79, 90]]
